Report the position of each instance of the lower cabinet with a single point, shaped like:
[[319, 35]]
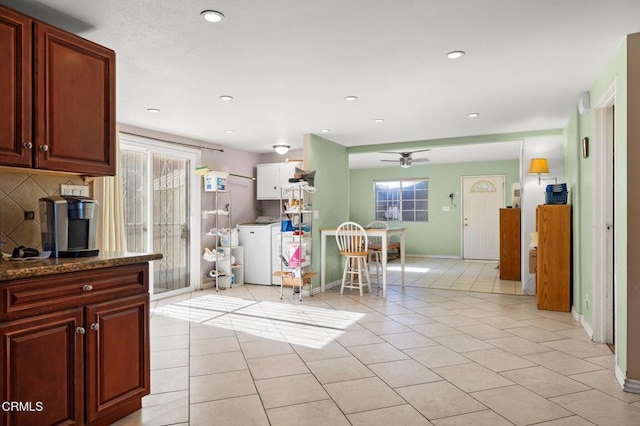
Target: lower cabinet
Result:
[[86, 364], [42, 369], [117, 354]]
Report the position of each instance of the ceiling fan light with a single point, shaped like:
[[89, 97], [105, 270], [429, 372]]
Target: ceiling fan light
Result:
[[405, 162]]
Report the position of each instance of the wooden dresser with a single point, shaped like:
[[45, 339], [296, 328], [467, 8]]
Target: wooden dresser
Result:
[[553, 278], [510, 244]]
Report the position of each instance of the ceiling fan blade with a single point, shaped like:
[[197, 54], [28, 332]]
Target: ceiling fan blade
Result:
[[420, 160], [404, 152], [390, 161]]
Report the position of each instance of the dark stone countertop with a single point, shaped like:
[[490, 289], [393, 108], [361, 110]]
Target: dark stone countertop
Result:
[[13, 270]]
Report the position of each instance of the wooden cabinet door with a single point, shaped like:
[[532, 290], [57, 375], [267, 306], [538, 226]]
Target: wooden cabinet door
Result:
[[74, 87], [117, 361], [553, 279], [42, 368], [510, 244], [15, 89]]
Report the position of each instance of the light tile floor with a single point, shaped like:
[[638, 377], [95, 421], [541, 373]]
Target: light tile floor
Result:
[[424, 356]]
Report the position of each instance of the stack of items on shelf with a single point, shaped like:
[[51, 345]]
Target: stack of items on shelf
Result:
[[295, 233], [225, 254]]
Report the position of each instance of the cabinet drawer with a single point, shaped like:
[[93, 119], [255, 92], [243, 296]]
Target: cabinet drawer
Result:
[[47, 293]]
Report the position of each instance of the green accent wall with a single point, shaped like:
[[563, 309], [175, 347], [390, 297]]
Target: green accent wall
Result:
[[441, 236], [580, 176], [572, 163], [331, 199]]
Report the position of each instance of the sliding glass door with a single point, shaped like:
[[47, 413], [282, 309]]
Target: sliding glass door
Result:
[[160, 203]]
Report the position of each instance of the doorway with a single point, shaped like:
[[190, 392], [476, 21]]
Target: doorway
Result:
[[604, 220], [482, 198], [160, 205]]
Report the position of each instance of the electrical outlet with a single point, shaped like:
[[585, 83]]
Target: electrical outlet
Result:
[[586, 302], [80, 190]]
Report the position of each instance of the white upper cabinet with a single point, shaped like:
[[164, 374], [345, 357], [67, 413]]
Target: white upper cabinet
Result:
[[270, 179]]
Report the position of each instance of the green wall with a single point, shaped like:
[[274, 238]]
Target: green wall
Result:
[[572, 163], [441, 236], [331, 199], [580, 176]]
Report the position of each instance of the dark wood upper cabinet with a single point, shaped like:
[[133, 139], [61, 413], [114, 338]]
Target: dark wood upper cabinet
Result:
[[15, 86], [60, 114]]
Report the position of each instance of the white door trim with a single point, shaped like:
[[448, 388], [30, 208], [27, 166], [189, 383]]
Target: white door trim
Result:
[[603, 157]]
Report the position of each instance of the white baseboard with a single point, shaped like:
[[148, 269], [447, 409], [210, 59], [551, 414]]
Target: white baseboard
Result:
[[579, 317], [316, 290], [627, 385]]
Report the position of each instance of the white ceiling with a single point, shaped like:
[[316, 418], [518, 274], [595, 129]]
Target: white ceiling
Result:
[[290, 63]]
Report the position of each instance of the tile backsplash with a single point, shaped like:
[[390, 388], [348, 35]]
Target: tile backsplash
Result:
[[19, 192]]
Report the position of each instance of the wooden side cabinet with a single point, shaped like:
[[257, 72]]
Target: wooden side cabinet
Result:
[[510, 250], [59, 112], [75, 346], [553, 275]]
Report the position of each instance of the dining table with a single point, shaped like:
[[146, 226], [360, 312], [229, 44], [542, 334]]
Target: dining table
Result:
[[385, 234]]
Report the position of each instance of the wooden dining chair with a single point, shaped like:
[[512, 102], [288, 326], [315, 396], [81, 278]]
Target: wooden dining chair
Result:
[[353, 245], [375, 247]]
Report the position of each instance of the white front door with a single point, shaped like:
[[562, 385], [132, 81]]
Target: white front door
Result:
[[482, 198]]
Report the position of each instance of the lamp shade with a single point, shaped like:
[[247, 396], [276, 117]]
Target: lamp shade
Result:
[[281, 149], [538, 166]]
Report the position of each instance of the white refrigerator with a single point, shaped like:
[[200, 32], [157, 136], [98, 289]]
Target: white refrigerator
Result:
[[256, 238]]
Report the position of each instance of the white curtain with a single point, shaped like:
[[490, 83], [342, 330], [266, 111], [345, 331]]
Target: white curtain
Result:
[[108, 192]]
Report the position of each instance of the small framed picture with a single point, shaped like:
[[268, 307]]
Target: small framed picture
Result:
[[585, 147]]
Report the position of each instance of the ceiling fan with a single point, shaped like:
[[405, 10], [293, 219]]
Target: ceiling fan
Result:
[[405, 157]]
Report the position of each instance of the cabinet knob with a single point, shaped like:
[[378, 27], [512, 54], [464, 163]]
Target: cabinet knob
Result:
[[80, 330], [95, 326], [27, 145], [87, 287], [44, 148]]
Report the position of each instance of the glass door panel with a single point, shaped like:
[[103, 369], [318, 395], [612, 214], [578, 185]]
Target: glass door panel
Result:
[[171, 222], [158, 207]]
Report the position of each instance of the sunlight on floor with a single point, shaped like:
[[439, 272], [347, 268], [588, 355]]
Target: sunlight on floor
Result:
[[298, 325], [398, 268]]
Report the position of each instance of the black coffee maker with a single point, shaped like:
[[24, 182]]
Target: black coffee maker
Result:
[[68, 225]]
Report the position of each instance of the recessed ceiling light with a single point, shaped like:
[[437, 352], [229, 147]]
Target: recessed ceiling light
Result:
[[153, 110], [212, 15], [226, 98], [473, 114], [324, 131], [456, 54], [350, 98], [230, 131], [379, 120]]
